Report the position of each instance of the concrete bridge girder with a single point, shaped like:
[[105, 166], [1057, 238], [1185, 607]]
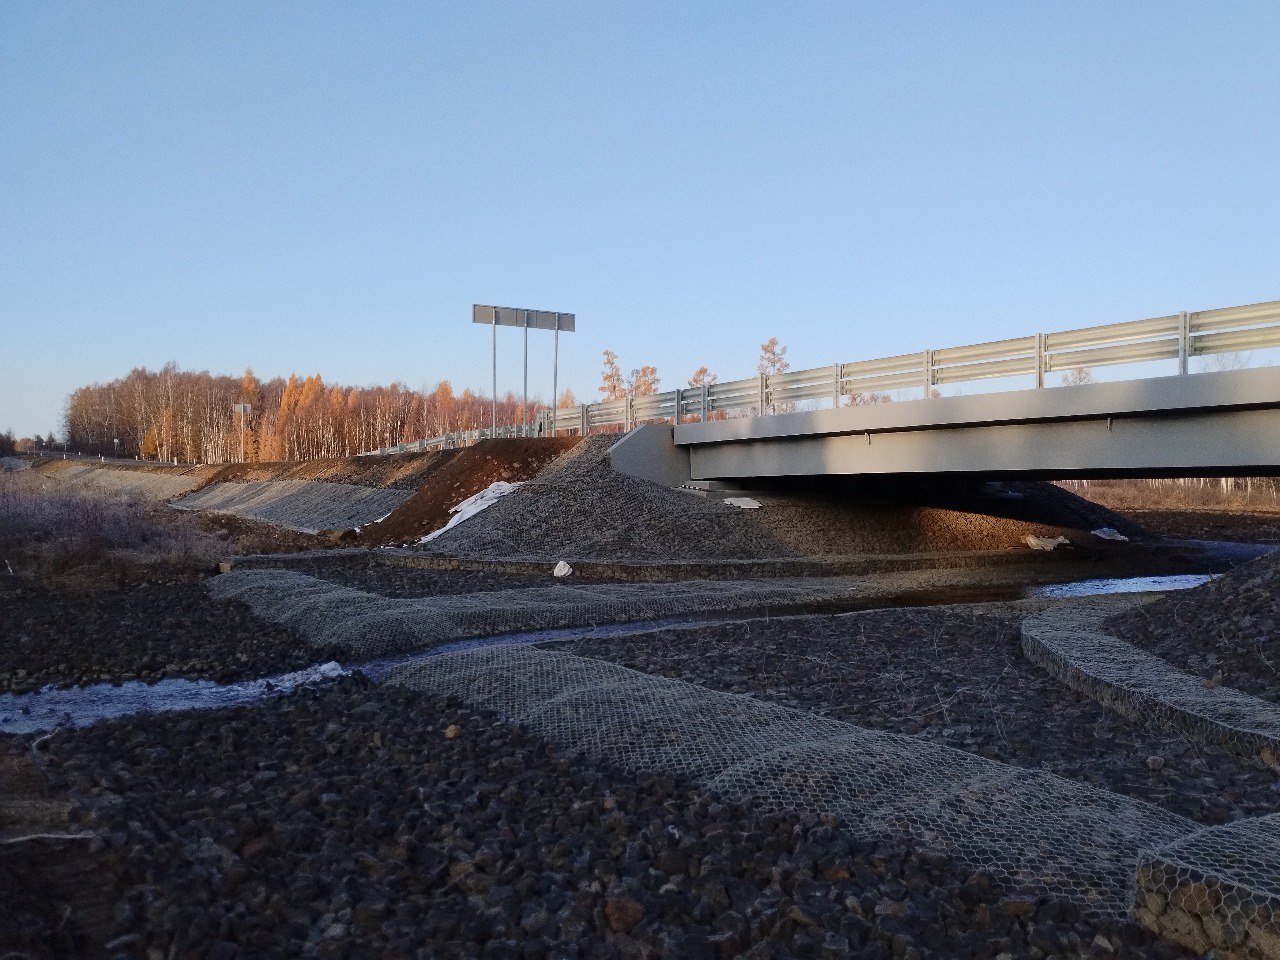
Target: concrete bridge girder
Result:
[[1224, 423]]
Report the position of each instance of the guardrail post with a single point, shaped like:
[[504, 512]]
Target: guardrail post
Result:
[[676, 418], [928, 374], [582, 419], [706, 402], [1039, 360], [1184, 341], [764, 389], [835, 393], [627, 405]]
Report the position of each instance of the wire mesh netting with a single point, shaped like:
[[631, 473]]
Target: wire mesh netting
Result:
[[1068, 642], [1217, 889], [370, 625], [305, 505], [1031, 831]]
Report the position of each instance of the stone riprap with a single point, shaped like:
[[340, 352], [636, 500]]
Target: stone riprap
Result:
[[1227, 628], [1217, 890], [1070, 643], [370, 625], [1029, 830], [362, 821], [153, 486], [308, 506]]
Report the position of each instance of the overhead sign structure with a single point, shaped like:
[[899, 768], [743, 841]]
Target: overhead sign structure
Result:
[[515, 317], [530, 320]]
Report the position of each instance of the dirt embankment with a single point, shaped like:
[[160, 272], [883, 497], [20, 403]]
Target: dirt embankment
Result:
[[580, 509], [462, 474], [404, 471], [1254, 525]]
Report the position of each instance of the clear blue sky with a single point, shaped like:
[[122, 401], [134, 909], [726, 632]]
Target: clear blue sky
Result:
[[329, 187]]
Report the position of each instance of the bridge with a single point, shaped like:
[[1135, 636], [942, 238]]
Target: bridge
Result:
[[831, 421]]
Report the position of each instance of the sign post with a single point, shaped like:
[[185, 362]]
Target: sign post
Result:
[[527, 319], [244, 410]]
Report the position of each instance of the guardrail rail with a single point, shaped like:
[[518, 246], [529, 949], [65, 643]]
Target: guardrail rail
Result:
[[1178, 336]]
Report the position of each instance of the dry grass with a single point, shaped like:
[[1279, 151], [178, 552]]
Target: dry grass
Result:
[[90, 537], [1230, 494]]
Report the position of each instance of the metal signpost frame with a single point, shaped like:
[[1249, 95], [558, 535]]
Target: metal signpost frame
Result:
[[243, 409], [527, 320]]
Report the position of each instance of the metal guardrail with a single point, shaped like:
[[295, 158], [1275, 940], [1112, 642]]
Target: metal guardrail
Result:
[[459, 438], [1177, 337]]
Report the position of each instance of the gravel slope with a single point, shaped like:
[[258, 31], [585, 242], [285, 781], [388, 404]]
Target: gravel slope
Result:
[[1227, 630], [578, 508], [360, 822]]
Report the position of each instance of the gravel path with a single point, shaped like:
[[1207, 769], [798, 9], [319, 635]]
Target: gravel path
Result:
[[953, 676], [143, 633], [372, 822], [1225, 631]]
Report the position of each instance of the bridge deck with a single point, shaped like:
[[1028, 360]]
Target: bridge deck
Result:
[[1201, 424]]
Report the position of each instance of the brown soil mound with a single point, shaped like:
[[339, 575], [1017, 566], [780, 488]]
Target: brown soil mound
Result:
[[257, 536], [463, 474]]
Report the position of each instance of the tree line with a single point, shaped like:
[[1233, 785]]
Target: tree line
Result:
[[192, 416], [186, 416]]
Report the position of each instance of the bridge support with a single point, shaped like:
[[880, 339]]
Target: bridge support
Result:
[[649, 452]]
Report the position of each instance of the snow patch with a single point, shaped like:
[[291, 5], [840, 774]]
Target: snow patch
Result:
[[743, 503], [562, 570], [474, 504]]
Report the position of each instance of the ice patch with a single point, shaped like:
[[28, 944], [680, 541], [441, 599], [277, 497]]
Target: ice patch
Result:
[[49, 708], [474, 504], [1093, 588]]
